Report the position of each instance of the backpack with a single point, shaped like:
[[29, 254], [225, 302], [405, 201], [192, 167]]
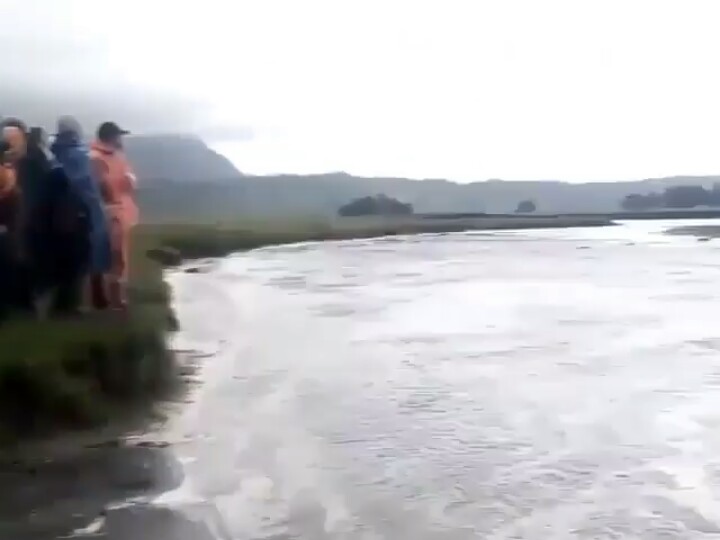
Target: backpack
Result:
[[69, 214]]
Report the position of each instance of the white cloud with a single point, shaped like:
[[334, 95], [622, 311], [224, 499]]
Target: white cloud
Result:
[[517, 89]]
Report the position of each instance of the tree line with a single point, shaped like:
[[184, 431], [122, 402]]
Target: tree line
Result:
[[673, 197], [378, 205]]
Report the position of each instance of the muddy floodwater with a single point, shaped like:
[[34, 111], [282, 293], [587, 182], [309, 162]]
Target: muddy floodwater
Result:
[[559, 384]]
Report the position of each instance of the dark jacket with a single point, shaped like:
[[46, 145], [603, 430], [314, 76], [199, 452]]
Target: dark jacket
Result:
[[10, 225], [33, 170], [12, 287], [54, 220]]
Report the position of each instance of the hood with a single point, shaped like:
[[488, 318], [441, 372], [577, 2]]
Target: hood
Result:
[[66, 139]]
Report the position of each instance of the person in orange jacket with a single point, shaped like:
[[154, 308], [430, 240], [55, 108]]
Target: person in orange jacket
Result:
[[113, 171]]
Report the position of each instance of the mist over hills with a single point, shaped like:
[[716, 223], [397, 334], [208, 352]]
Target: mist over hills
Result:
[[182, 178]]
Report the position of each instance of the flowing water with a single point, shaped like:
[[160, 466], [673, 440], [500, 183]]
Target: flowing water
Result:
[[512, 385]]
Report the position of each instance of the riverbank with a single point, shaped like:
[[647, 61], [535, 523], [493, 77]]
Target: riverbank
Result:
[[64, 375]]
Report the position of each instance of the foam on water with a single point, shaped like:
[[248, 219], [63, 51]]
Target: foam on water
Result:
[[536, 384]]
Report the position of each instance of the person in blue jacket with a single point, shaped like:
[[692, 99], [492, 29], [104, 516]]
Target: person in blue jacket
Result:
[[73, 157]]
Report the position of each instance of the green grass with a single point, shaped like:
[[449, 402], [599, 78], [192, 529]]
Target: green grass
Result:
[[64, 374]]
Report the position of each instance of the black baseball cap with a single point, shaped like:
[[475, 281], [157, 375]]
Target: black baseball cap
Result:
[[110, 130]]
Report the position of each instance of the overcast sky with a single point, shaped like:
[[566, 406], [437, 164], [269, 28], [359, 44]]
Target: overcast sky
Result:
[[465, 89]]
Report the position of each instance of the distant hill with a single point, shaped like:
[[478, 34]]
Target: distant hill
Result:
[[183, 158], [182, 178]]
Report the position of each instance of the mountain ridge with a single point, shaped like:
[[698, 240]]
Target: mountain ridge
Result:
[[181, 176], [180, 157]]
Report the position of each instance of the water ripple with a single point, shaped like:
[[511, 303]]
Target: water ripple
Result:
[[536, 384]]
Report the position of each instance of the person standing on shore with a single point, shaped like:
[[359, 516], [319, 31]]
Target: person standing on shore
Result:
[[31, 170], [88, 255], [117, 182], [65, 217]]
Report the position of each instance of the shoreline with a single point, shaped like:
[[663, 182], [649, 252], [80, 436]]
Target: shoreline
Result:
[[126, 345], [61, 481], [58, 484]]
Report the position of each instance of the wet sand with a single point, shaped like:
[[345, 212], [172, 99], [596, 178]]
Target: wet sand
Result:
[[98, 483], [53, 498]]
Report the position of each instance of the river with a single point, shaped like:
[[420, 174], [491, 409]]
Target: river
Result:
[[547, 384]]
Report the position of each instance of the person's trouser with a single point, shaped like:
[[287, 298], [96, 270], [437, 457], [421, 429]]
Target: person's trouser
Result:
[[98, 292], [7, 279], [117, 293], [36, 279], [120, 232], [68, 295], [15, 297], [71, 262]]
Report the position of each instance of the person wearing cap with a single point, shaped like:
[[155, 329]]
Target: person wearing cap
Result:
[[86, 257], [117, 184]]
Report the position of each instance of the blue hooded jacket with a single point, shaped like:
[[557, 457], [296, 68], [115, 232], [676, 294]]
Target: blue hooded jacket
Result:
[[73, 157]]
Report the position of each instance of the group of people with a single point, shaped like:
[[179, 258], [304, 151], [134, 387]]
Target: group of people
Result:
[[67, 210]]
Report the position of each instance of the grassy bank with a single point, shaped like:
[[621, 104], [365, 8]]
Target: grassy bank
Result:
[[59, 375]]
